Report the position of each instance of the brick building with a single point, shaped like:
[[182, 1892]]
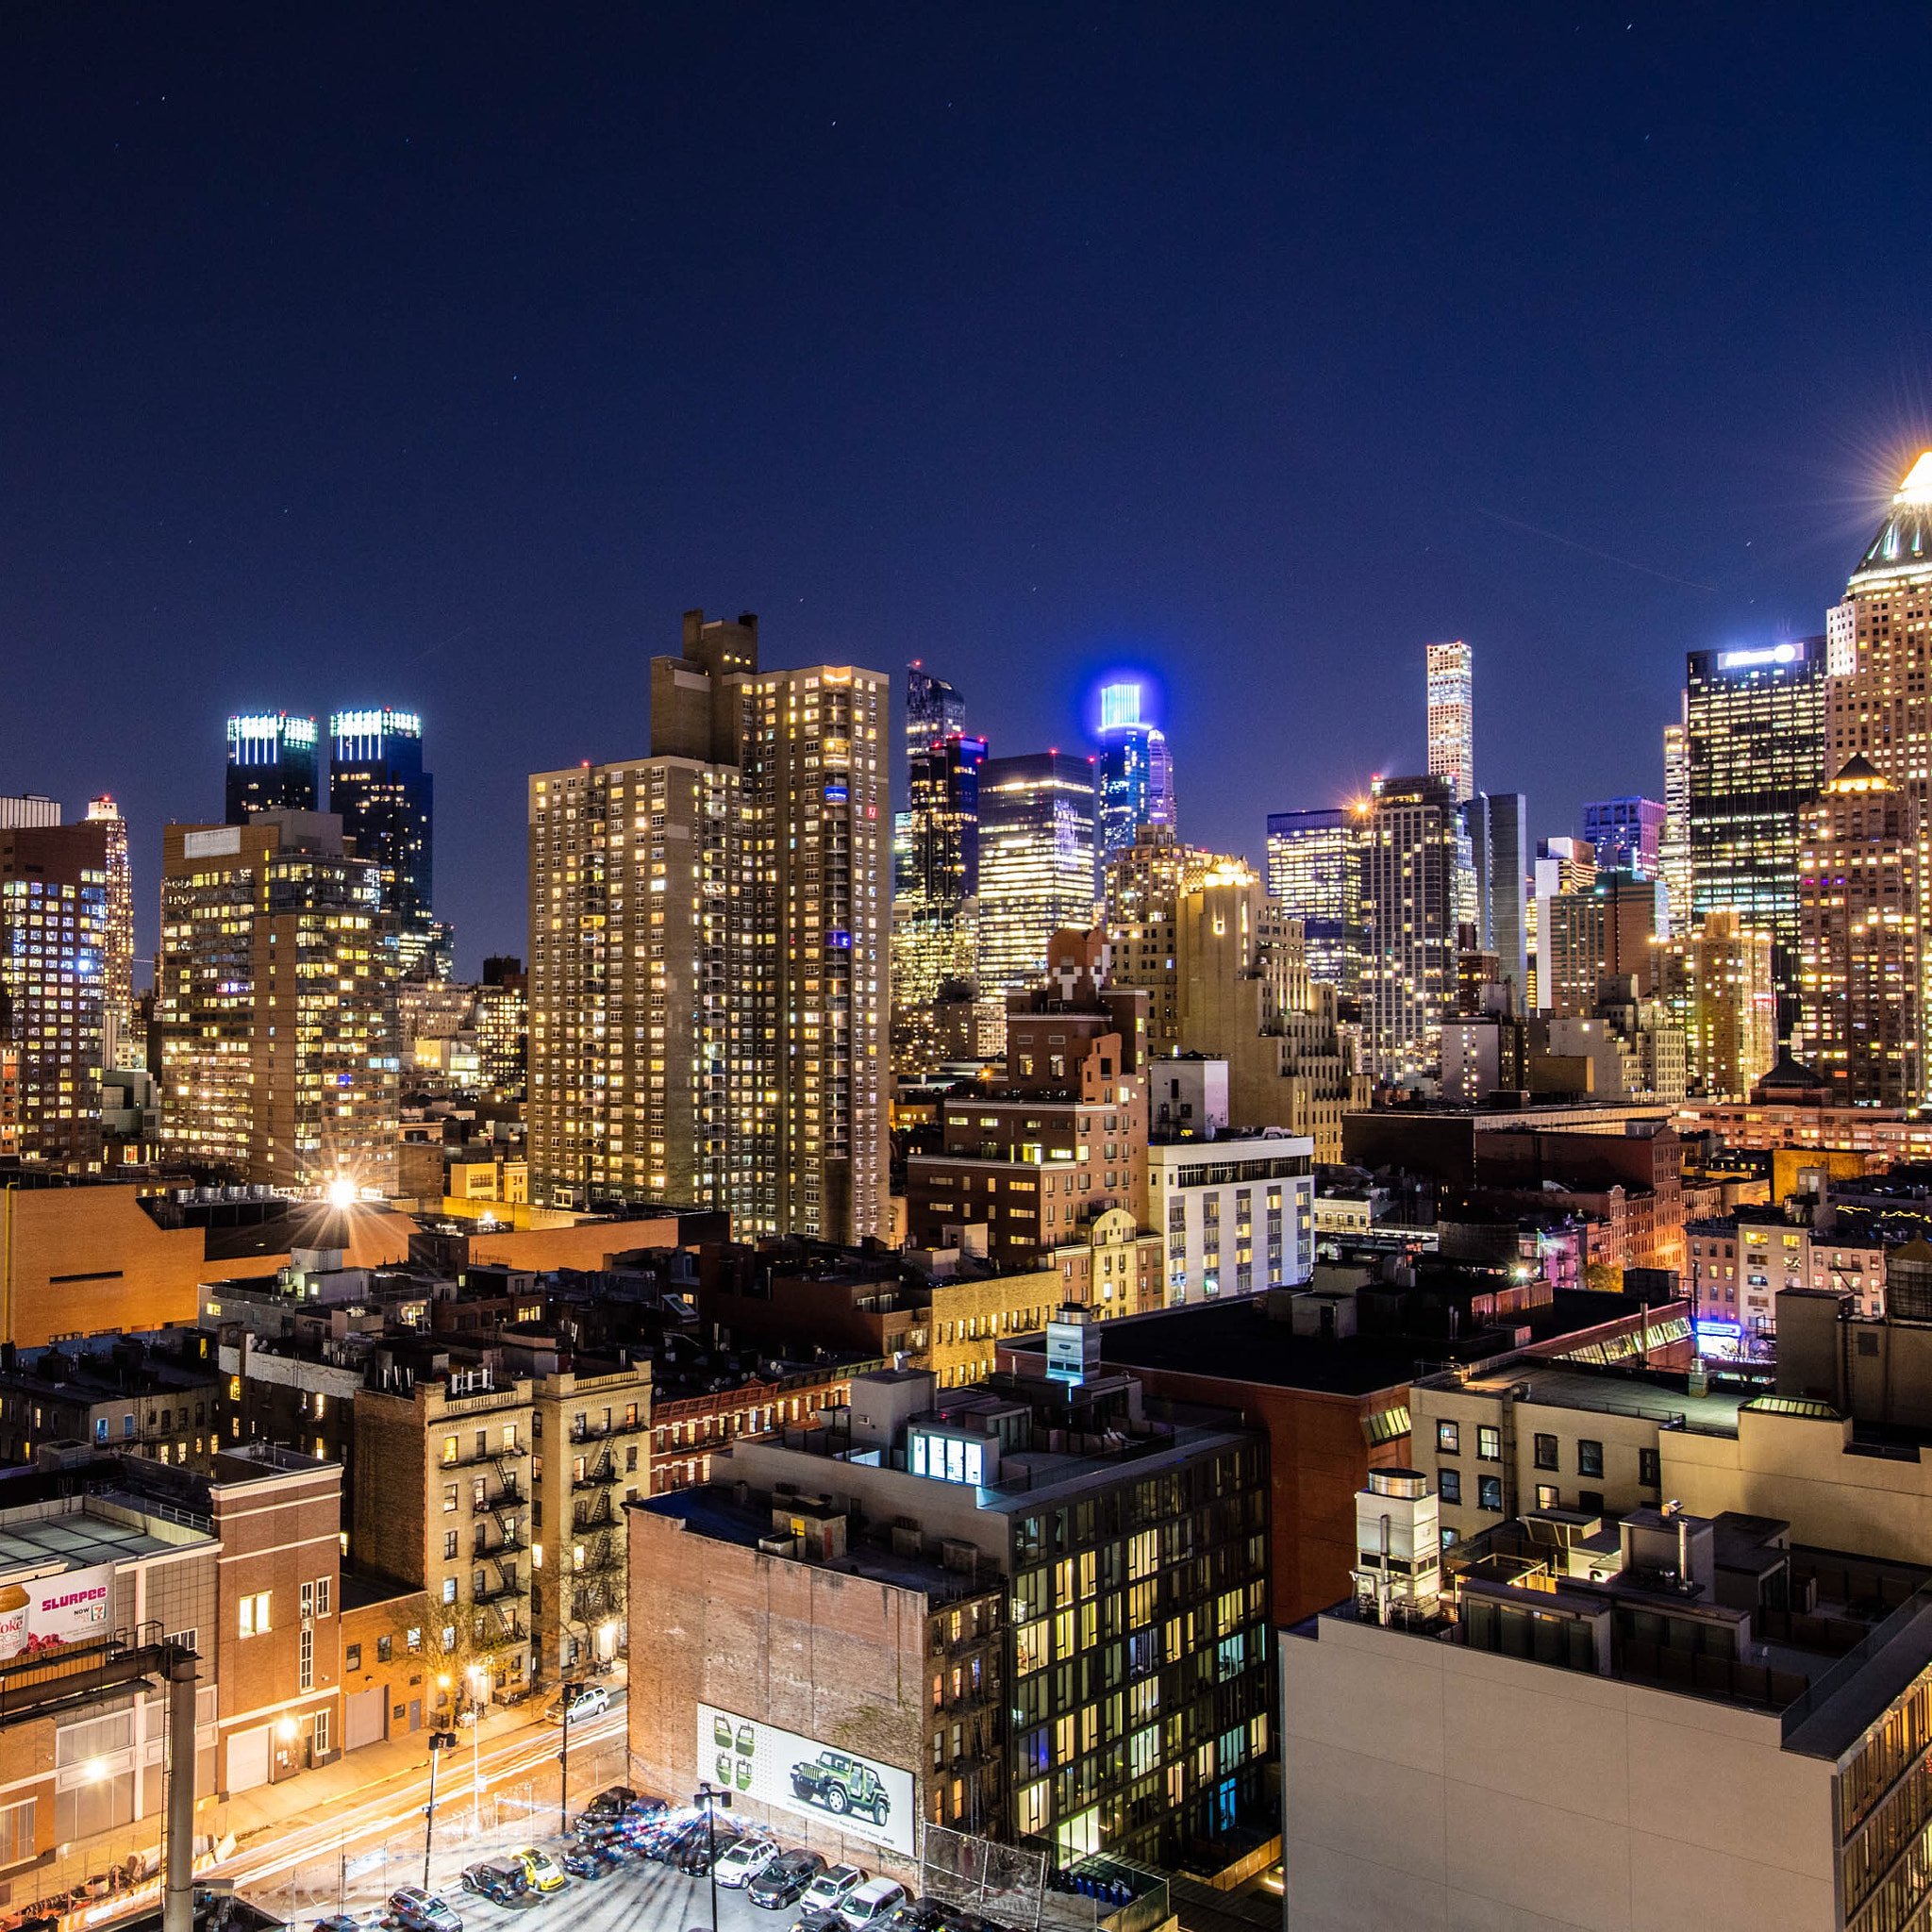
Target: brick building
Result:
[[779, 1610]]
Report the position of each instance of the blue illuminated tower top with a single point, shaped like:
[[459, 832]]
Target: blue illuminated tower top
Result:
[[271, 764], [1133, 780], [385, 800]]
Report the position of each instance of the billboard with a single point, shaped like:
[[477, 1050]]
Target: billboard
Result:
[[858, 1794], [76, 1606]]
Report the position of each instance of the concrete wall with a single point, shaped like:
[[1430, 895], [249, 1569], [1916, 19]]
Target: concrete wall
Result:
[[89, 1261], [1429, 1788]]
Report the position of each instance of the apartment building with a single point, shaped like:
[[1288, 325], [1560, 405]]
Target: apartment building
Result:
[[1237, 1211], [161, 1395], [590, 1453]]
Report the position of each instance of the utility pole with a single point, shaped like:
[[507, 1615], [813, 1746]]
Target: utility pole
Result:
[[177, 1909]]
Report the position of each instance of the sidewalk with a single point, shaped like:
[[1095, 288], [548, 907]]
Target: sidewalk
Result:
[[361, 1773]]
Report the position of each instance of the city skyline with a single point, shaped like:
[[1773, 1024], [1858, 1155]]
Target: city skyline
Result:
[[239, 483]]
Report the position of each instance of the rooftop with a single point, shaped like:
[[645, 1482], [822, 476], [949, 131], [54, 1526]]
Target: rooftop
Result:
[[1658, 1394], [1234, 1340]]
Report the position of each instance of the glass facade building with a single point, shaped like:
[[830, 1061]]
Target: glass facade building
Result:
[[1314, 872], [1133, 776], [272, 765], [1753, 734], [386, 801], [1036, 861]]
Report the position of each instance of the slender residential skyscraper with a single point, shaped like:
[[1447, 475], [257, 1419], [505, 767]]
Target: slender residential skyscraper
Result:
[[1035, 863], [1452, 717], [118, 984], [709, 950], [1409, 928], [386, 801], [1674, 846], [1134, 774], [270, 765]]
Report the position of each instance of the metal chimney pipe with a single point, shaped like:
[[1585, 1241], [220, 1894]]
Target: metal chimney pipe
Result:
[[177, 1909]]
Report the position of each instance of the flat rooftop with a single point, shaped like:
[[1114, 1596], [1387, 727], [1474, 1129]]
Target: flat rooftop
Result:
[[1235, 1340], [712, 1511], [1656, 1397], [81, 1538]]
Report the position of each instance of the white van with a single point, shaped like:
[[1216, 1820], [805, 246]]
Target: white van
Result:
[[872, 1903]]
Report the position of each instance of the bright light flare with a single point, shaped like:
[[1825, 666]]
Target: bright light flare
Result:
[[1917, 487], [342, 1193]]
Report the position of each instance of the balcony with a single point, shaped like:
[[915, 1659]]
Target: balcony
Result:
[[505, 1584], [600, 1476]]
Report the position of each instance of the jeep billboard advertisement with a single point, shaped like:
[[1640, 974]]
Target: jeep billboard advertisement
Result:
[[861, 1796]]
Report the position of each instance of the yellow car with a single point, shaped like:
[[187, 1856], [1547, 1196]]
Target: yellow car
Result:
[[540, 1869]]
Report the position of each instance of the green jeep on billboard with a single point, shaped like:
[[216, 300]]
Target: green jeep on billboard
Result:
[[839, 1784]]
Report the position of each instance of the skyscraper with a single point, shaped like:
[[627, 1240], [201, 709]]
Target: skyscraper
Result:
[[1452, 717], [1626, 834], [1408, 931], [1878, 638], [1754, 731], [1314, 874], [1673, 843], [1860, 967], [935, 866], [1497, 828], [386, 801], [55, 972], [270, 765], [1134, 776], [275, 1003], [707, 945], [1035, 863], [117, 985]]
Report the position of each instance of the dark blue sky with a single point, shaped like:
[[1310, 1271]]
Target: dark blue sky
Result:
[[443, 359]]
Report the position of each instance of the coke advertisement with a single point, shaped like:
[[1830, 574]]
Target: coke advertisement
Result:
[[45, 1612]]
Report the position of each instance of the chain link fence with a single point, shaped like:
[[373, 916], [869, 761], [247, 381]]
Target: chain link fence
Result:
[[999, 1882], [469, 1828]]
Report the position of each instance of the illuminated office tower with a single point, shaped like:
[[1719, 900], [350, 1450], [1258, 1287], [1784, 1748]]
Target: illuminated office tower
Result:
[[118, 986], [1035, 863], [54, 970], [270, 765], [1626, 834], [1715, 984], [709, 950], [1408, 933], [1314, 874], [1134, 774], [1560, 865], [386, 801], [1754, 731], [1861, 971], [1673, 843], [275, 1003], [1452, 718]]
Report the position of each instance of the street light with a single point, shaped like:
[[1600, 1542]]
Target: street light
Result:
[[570, 1693], [711, 1796], [439, 1742]]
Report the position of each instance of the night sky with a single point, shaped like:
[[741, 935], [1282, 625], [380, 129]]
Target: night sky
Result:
[[443, 359]]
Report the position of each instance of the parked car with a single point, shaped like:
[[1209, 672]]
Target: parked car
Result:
[[502, 1884], [820, 1920], [872, 1904], [540, 1868], [826, 1892], [612, 1803], [918, 1915], [589, 1864], [784, 1880], [645, 1806], [696, 1859], [737, 1867], [416, 1911], [837, 1782], [589, 1700]]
